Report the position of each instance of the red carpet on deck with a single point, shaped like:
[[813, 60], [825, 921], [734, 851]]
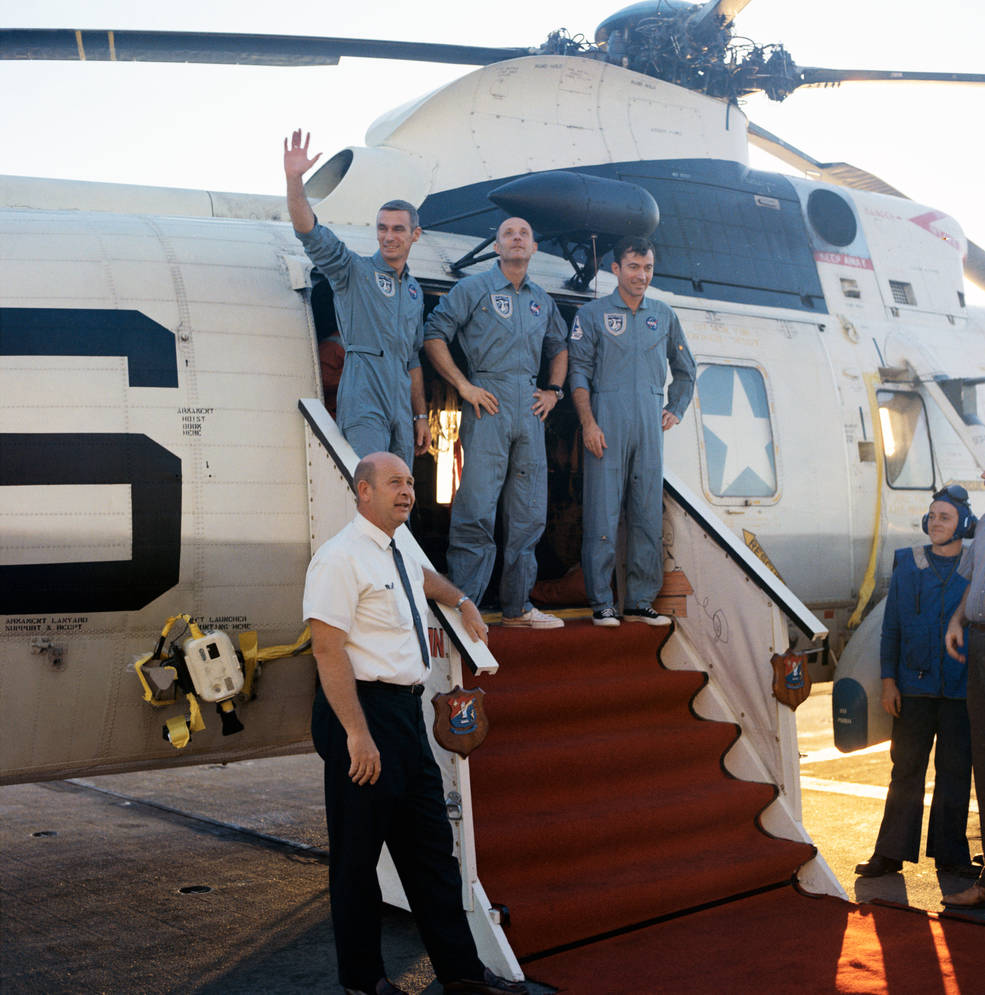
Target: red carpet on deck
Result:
[[631, 863], [780, 942], [600, 799]]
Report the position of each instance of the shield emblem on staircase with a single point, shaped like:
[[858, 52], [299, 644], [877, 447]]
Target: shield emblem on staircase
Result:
[[460, 723]]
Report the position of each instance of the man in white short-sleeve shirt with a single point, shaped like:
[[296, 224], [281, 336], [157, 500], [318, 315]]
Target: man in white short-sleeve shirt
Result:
[[381, 782]]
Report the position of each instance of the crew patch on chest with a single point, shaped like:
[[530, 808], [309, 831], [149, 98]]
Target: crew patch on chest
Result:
[[576, 331], [502, 305], [652, 323], [386, 283], [615, 323]]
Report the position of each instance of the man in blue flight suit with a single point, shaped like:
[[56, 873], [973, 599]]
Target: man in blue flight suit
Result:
[[380, 310], [503, 322], [620, 347]]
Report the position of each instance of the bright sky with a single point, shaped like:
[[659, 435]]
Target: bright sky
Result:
[[221, 128]]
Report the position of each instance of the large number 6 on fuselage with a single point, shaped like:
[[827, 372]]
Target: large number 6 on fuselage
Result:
[[152, 472]]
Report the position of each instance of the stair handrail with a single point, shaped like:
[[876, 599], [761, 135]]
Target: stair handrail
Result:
[[748, 562]]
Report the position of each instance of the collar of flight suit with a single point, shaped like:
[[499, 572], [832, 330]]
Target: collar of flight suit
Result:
[[616, 298], [500, 281], [380, 263]]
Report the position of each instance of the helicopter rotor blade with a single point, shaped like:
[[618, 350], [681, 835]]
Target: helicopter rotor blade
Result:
[[844, 174], [816, 76], [230, 49]]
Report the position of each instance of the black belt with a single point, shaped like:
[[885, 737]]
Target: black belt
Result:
[[413, 689]]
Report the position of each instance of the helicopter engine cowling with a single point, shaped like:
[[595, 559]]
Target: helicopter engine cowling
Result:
[[352, 185], [565, 203]]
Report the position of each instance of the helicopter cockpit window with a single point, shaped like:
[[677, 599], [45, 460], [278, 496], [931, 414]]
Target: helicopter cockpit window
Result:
[[905, 440], [954, 460], [736, 432]]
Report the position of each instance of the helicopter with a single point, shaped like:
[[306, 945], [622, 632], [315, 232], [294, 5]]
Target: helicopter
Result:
[[849, 284]]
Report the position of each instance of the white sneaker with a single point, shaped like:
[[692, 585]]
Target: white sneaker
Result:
[[534, 619]]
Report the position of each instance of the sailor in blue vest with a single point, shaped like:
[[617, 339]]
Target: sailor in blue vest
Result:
[[620, 348], [380, 310], [924, 690], [504, 322]]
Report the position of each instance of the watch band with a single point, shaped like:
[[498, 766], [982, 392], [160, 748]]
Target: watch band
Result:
[[461, 601]]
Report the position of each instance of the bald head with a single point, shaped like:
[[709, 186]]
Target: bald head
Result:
[[384, 490], [515, 243]]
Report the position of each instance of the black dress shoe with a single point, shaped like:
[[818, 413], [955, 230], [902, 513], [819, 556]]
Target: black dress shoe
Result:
[[491, 984], [877, 865]]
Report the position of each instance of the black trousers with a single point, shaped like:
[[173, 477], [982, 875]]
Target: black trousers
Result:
[[919, 722], [406, 810]]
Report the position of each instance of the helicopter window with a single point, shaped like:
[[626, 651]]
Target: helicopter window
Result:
[[832, 217], [849, 288], [905, 440], [736, 432], [902, 292]]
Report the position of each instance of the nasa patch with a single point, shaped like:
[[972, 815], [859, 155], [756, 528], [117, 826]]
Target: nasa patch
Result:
[[385, 283], [503, 304], [615, 324], [576, 332], [412, 290], [534, 307], [652, 323]]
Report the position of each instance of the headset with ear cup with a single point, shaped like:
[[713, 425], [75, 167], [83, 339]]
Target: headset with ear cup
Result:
[[956, 496]]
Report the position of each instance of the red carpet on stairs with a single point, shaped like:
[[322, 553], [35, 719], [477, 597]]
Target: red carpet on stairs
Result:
[[632, 863], [600, 799]]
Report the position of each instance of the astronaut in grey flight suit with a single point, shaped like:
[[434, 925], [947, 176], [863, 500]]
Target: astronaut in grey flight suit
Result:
[[380, 311], [503, 322], [620, 347]]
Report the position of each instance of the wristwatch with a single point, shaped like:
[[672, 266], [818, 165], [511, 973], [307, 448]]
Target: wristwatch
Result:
[[419, 417], [557, 390], [461, 601]]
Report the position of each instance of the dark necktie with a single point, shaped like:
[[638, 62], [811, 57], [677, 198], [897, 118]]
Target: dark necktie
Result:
[[405, 582]]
